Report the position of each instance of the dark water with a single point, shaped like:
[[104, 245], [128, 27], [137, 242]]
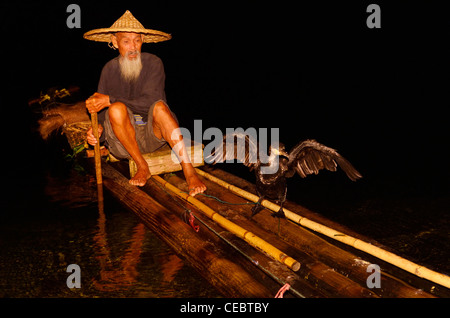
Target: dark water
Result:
[[415, 225], [54, 221]]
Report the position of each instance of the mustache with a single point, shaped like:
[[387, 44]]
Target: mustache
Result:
[[132, 53]]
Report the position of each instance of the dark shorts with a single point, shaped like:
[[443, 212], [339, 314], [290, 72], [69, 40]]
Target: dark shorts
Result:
[[145, 137]]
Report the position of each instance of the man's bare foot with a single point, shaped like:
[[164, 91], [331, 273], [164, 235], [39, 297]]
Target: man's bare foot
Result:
[[195, 185], [141, 176]]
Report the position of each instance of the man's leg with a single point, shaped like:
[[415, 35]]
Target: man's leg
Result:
[[124, 131], [164, 125]]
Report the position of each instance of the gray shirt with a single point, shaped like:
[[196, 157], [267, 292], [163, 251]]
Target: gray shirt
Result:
[[137, 95]]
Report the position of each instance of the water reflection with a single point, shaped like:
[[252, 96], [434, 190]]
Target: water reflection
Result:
[[115, 276], [124, 274], [117, 254]]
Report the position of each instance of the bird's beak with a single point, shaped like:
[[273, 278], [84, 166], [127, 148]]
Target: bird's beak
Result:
[[284, 153], [281, 153]]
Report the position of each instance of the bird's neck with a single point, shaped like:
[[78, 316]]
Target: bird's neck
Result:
[[272, 166]]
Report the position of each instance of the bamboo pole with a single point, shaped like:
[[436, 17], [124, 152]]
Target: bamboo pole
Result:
[[98, 163], [416, 269], [97, 155], [248, 236]]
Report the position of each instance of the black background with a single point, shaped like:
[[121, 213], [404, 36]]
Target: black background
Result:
[[313, 70]]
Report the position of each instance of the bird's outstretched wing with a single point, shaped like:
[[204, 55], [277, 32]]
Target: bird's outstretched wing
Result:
[[309, 156], [236, 145]]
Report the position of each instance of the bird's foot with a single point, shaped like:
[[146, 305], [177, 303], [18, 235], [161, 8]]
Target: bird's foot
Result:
[[256, 209], [280, 214]]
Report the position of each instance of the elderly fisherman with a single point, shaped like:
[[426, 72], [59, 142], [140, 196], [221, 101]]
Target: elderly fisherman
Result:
[[133, 113]]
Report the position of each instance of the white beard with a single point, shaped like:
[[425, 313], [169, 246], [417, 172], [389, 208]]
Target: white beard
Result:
[[130, 69]]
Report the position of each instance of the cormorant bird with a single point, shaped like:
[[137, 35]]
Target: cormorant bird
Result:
[[306, 158]]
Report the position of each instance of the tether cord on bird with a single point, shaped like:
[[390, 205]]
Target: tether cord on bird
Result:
[[416, 269]]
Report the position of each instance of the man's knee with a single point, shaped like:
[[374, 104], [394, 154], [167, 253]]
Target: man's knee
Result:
[[163, 116], [117, 112], [161, 111], [163, 120]]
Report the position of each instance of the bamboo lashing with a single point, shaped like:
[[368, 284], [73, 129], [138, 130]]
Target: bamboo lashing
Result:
[[248, 236], [97, 155], [416, 269]]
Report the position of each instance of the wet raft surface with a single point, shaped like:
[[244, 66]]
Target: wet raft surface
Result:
[[236, 269]]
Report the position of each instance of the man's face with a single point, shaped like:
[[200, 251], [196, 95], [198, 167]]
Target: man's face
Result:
[[128, 43]]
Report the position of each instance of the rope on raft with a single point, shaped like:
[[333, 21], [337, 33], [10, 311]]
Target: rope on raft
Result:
[[222, 201]]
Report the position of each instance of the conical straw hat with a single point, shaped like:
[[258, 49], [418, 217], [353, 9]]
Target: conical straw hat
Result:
[[126, 23]]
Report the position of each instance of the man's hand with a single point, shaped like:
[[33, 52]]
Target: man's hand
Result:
[[90, 135], [97, 102]]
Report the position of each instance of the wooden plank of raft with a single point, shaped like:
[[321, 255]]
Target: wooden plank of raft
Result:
[[164, 160], [216, 261]]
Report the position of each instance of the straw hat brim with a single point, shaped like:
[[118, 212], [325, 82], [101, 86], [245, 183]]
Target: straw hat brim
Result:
[[104, 35]]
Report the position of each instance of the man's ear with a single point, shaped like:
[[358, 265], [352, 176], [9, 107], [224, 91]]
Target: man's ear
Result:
[[115, 44]]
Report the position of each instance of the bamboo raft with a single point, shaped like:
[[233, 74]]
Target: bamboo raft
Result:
[[304, 255], [255, 257]]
